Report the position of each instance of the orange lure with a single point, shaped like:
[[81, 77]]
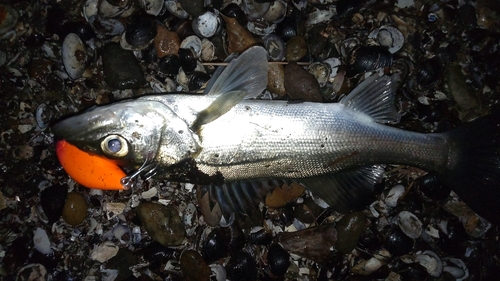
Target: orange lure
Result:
[[89, 170]]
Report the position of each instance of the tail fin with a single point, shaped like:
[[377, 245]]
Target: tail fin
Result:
[[475, 177]]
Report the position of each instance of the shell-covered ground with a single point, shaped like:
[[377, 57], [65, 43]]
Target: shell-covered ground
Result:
[[58, 58]]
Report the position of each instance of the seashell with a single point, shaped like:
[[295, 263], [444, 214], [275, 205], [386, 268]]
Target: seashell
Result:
[[398, 243], [255, 9], [260, 236], [456, 267], [43, 116], [90, 10], [8, 18], [122, 233], [278, 259], [107, 9], [74, 56], [318, 16], [169, 65], [275, 47], [188, 60], [241, 264], [152, 7], [216, 245], [207, 50], [321, 71], [234, 11], [198, 80], [368, 58], [192, 43], [431, 262], [410, 224], [261, 27], [175, 8], [393, 196], [219, 271], [139, 35], [389, 37], [207, 24], [108, 27], [276, 12]]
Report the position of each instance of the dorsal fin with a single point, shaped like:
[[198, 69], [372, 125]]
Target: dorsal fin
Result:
[[375, 98]]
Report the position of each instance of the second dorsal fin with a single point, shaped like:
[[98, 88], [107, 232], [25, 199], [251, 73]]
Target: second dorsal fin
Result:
[[375, 98]]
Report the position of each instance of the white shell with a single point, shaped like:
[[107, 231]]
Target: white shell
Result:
[[276, 12], [176, 9], [321, 72], [152, 7], [261, 27], [90, 10], [394, 194], [74, 56], [110, 11], [431, 262], [388, 36], [410, 224], [193, 43], [318, 15], [41, 241], [206, 25], [207, 50], [253, 9]]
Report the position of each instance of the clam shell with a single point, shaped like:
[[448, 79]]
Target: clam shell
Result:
[[74, 56]]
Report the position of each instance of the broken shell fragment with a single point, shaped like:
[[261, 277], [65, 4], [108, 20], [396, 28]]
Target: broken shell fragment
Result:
[[388, 36], [74, 56]]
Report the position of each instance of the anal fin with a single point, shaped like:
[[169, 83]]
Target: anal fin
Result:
[[347, 190]]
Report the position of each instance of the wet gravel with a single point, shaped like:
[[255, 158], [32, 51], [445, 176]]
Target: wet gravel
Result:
[[51, 228]]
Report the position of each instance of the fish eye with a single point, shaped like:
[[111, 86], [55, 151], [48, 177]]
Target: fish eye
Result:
[[114, 145]]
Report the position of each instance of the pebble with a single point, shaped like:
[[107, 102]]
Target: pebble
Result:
[[315, 243], [162, 223], [238, 37], [300, 84], [349, 229], [276, 79], [296, 48], [166, 42], [194, 267], [121, 68], [75, 209]]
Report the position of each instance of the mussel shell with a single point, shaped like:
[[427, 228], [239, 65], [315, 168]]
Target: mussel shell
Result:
[[398, 243], [188, 60], [242, 267], [368, 58], [233, 10], [260, 236], [139, 34], [429, 72], [278, 259], [216, 245], [197, 80], [169, 65]]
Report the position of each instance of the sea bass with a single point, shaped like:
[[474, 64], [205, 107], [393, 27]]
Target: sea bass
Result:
[[236, 147]]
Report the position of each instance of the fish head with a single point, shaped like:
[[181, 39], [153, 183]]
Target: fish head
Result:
[[130, 133]]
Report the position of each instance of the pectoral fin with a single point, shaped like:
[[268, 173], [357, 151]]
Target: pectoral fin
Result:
[[244, 77], [217, 108], [346, 190]]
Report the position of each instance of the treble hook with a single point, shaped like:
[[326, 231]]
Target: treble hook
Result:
[[150, 168]]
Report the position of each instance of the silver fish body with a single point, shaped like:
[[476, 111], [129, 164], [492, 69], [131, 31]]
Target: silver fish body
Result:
[[335, 149]]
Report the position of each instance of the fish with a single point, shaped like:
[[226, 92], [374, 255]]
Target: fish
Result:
[[235, 147]]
